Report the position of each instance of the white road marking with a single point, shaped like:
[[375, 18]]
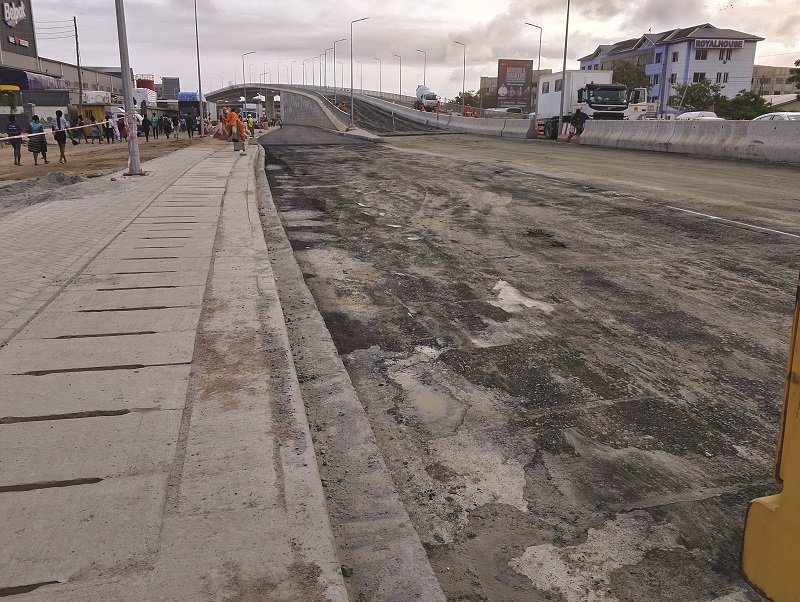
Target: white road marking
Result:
[[730, 221]]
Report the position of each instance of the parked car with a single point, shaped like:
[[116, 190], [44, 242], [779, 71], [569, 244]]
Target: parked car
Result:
[[699, 115], [779, 116]]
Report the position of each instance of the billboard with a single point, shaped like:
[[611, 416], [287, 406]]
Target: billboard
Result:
[[514, 84], [16, 28]]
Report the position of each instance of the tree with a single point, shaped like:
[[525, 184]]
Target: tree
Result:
[[695, 97], [470, 97], [745, 105], [8, 98], [630, 74], [795, 77]]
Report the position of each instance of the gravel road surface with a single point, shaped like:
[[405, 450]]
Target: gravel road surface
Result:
[[574, 382]]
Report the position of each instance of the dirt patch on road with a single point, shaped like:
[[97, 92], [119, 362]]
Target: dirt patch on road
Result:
[[576, 392]]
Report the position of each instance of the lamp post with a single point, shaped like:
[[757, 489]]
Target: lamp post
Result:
[[400, 91], [334, 67], [326, 66], [244, 83], [352, 111], [563, 73], [464, 80], [304, 70], [424, 64], [134, 165], [320, 69], [380, 77], [279, 71], [314, 71], [201, 113], [539, 64], [291, 72]]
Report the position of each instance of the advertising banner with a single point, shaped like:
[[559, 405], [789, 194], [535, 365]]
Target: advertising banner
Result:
[[514, 84], [16, 27]]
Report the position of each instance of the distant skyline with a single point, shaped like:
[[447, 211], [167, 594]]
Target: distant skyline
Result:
[[161, 35]]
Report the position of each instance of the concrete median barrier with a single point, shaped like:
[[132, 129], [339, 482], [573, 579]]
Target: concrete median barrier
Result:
[[310, 108], [759, 141]]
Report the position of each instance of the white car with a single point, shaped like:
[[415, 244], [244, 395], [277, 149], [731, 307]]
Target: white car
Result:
[[779, 116], [699, 115]]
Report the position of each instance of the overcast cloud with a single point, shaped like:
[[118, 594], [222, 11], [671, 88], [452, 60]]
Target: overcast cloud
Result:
[[161, 35]]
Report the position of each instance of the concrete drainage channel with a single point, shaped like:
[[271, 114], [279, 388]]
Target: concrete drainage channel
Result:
[[381, 554]]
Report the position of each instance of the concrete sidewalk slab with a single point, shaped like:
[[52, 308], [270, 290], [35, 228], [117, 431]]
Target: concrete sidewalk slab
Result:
[[129, 479]]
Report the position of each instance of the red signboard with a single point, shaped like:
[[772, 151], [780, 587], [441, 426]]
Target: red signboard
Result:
[[514, 83]]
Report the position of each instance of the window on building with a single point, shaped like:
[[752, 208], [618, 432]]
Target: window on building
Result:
[[558, 85], [725, 55], [673, 78], [779, 80], [724, 78], [701, 54], [545, 87], [698, 77], [719, 78], [674, 57], [596, 67], [656, 79], [658, 58]]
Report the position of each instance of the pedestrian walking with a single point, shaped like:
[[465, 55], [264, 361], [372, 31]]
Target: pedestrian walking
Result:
[[190, 125], [13, 130], [60, 133], [80, 133], [108, 129], [37, 143], [146, 129], [122, 127], [175, 124], [154, 127], [95, 129], [166, 123]]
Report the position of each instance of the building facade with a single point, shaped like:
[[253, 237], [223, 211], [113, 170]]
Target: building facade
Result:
[[768, 81], [170, 88], [684, 56]]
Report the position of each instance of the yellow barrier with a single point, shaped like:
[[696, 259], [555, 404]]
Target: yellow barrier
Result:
[[771, 548]]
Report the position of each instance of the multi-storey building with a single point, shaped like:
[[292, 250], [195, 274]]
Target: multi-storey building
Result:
[[768, 81], [681, 56]]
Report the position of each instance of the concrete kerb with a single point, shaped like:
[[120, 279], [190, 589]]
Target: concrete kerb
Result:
[[373, 532]]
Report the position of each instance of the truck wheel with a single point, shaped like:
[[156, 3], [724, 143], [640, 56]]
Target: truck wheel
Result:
[[550, 131]]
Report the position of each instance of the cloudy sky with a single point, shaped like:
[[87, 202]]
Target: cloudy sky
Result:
[[162, 42]]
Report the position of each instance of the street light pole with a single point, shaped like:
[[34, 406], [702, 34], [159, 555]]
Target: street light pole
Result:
[[380, 77], [400, 91], [291, 72], [304, 70], [538, 66], [244, 84], [201, 114], [134, 165], [279, 71], [563, 74], [424, 65], [352, 111], [326, 66], [334, 67], [464, 80]]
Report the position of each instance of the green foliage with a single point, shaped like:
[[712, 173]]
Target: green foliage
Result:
[[695, 97], [8, 99], [745, 105], [795, 76], [630, 74], [471, 98]]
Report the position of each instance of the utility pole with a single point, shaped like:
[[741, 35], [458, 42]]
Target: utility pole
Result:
[[200, 114], [134, 164], [78, 61]]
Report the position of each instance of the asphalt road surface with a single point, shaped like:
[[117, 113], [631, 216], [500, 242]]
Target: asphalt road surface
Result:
[[574, 380]]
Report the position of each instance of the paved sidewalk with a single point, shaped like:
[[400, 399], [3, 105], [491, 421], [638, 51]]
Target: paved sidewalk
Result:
[[154, 443]]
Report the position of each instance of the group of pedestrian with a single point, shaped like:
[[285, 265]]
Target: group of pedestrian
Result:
[[111, 130]]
